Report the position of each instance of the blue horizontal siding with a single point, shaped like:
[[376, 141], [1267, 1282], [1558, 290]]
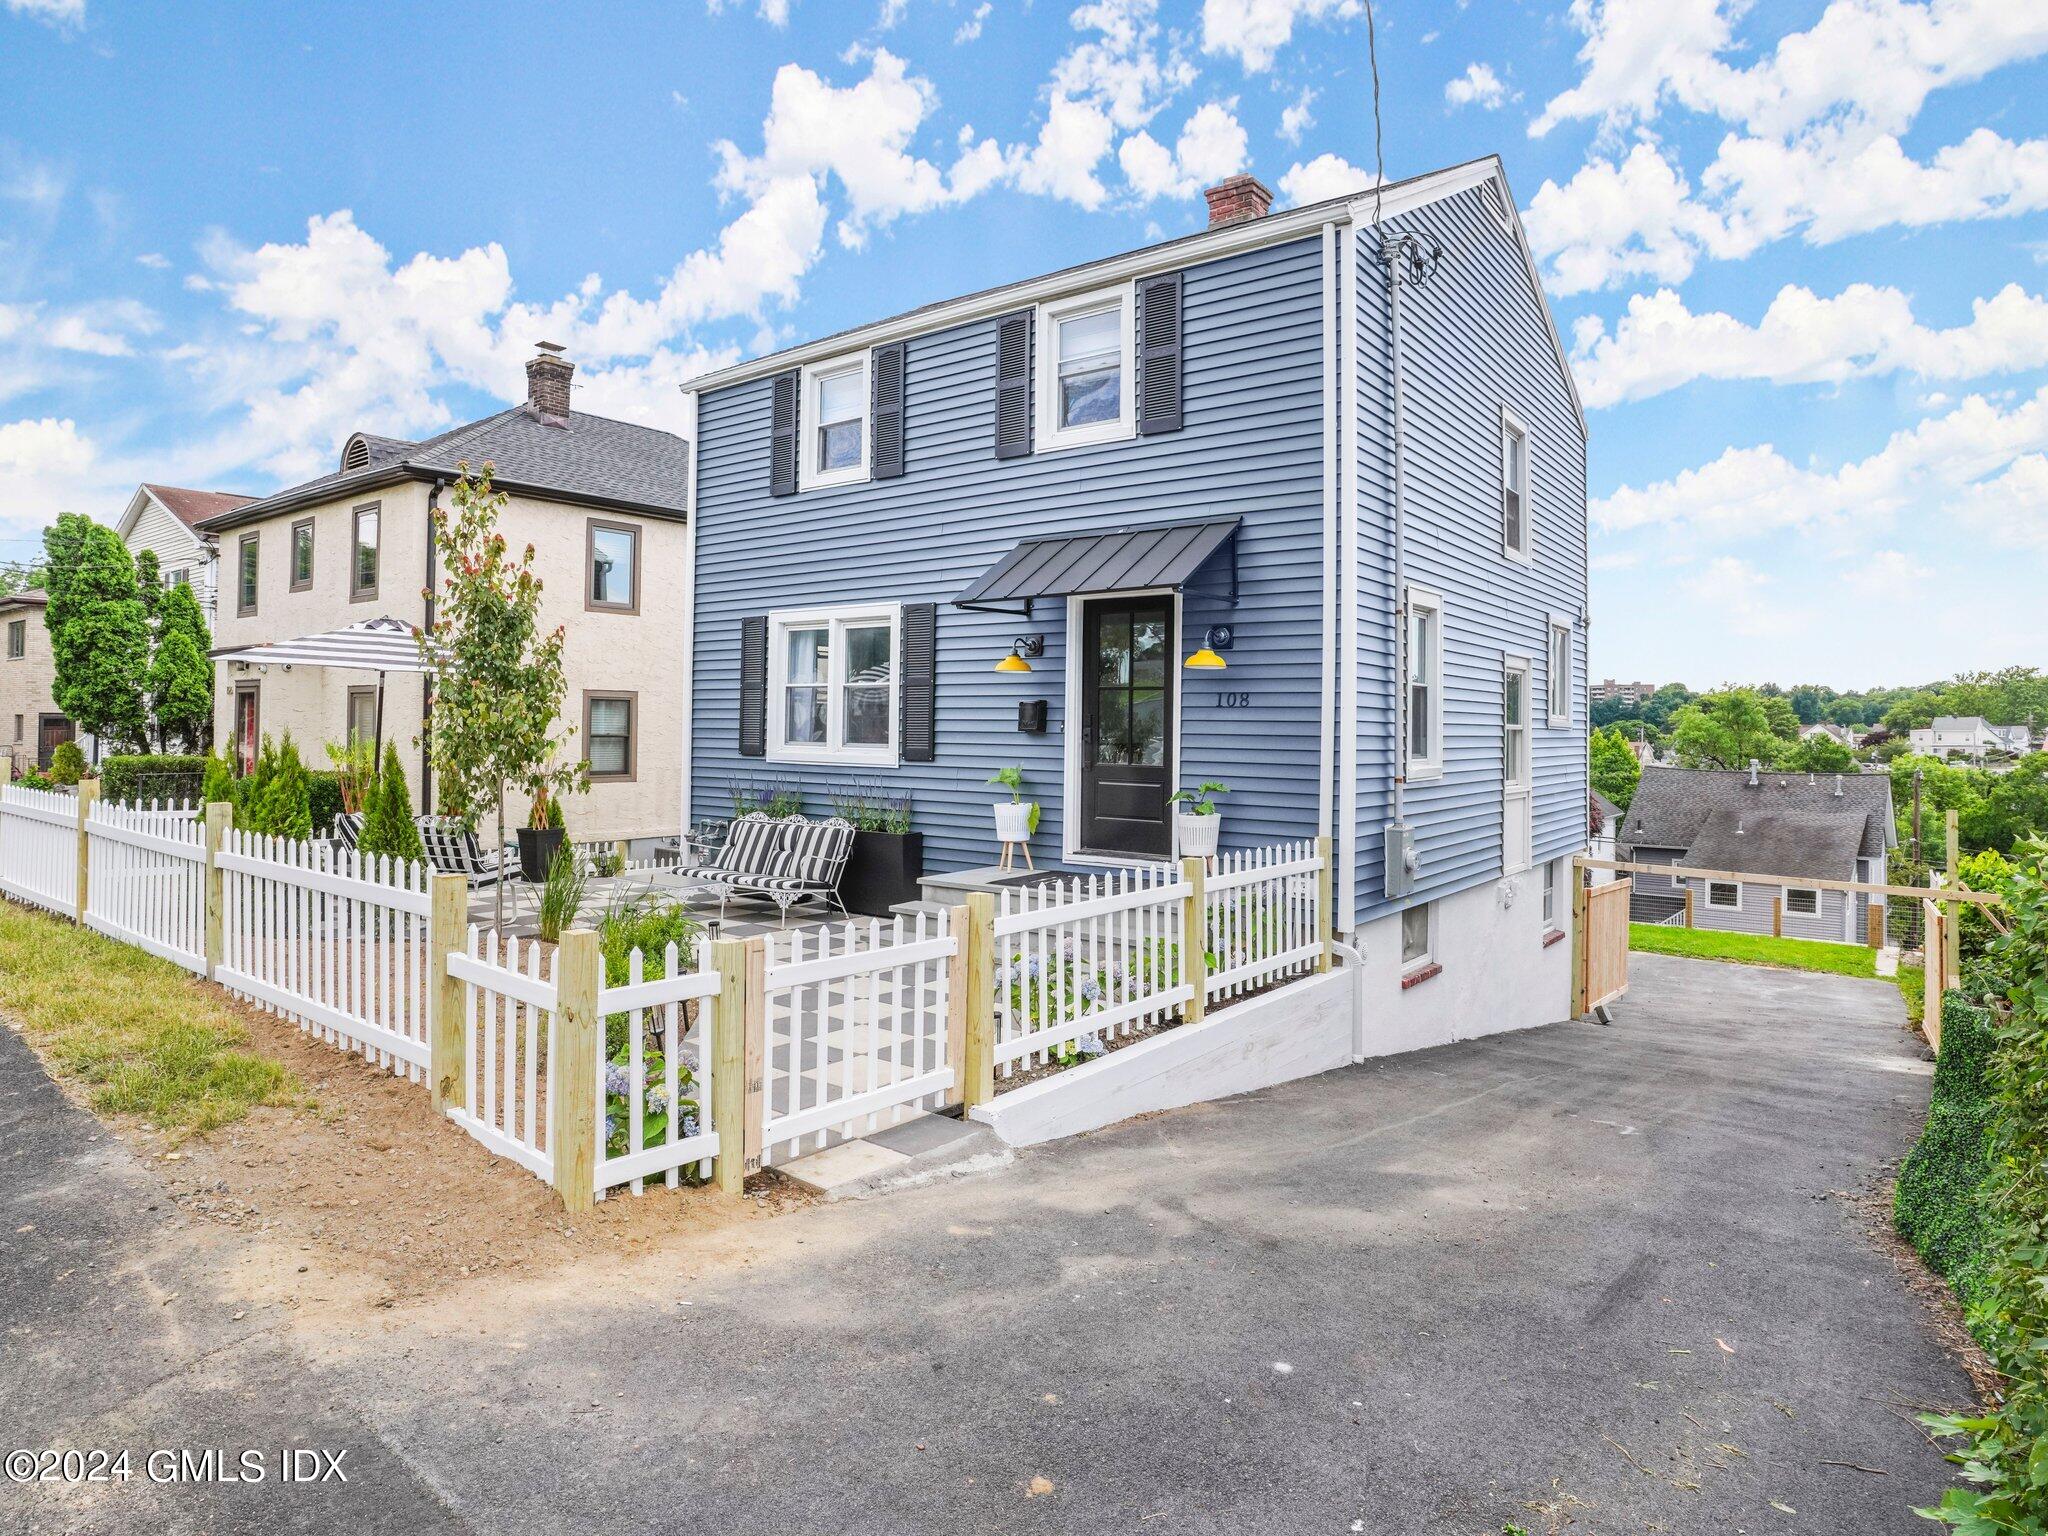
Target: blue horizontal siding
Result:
[[1474, 340], [1251, 447]]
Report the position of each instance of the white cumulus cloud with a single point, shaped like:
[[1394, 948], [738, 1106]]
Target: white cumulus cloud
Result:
[[1211, 146], [1479, 86], [1323, 177], [1254, 31]]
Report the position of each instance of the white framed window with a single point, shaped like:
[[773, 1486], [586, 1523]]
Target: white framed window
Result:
[[1559, 683], [1551, 884], [1514, 725], [1087, 362], [1802, 901], [1422, 743], [832, 419], [1418, 937], [832, 685], [1515, 540], [1724, 894]]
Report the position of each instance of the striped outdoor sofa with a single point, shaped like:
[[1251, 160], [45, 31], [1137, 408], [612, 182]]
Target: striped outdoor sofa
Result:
[[784, 858]]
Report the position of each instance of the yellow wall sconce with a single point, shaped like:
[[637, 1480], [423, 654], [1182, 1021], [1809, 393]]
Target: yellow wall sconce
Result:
[[1020, 648], [1215, 640]]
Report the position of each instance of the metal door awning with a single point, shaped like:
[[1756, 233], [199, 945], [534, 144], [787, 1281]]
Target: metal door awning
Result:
[[1120, 560]]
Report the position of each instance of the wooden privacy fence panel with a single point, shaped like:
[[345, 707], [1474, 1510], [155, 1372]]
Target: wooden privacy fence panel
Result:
[[856, 1022], [39, 847], [1606, 942], [332, 939], [508, 1063], [1089, 957], [147, 880], [655, 1083], [1263, 916]]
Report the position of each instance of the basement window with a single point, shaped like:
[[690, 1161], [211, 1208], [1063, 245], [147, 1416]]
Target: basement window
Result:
[[1804, 902]]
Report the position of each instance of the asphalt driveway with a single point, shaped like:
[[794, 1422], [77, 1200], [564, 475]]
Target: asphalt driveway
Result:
[[1585, 1279]]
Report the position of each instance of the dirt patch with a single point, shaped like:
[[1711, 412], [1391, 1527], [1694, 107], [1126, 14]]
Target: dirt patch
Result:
[[1936, 1296], [362, 1186]]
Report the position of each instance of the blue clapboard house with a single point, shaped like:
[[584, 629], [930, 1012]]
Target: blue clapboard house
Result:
[[1296, 504]]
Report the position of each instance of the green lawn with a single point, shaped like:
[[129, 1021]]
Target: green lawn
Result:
[[1754, 949], [143, 1036]]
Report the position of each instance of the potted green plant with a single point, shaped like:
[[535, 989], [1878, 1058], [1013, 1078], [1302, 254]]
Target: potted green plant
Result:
[[541, 838], [1016, 818], [886, 863], [1198, 828]]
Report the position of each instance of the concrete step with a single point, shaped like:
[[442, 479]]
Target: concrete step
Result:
[[922, 1148], [920, 908]]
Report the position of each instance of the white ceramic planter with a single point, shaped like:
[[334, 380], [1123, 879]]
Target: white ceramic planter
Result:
[[1013, 821], [1198, 835]]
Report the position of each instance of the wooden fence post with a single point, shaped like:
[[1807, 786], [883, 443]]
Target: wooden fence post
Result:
[[1777, 917], [755, 1073], [88, 793], [1688, 906], [447, 1038], [976, 999], [729, 1063], [1875, 923], [1324, 885], [220, 815], [579, 1034], [1194, 939], [1582, 941], [1951, 926]]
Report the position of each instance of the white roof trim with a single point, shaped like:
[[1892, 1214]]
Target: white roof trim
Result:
[[1172, 255]]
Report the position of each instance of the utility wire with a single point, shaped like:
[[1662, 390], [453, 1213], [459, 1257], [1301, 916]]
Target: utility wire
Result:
[[1379, 153]]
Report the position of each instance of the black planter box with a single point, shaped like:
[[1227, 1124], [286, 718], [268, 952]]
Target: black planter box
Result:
[[537, 849], [883, 869]]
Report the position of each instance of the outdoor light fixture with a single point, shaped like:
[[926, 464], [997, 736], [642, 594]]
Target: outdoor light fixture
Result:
[[1215, 640], [1021, 647]]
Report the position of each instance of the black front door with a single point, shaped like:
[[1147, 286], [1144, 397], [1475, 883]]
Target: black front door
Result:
[[1126, 725]]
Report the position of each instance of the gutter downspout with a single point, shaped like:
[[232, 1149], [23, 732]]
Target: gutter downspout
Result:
[[427, 678]]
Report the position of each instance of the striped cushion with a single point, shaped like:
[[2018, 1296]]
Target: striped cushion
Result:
[[751, 847], [817, 852]]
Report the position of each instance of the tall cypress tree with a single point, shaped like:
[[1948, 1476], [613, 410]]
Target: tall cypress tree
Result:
[[181, 674]]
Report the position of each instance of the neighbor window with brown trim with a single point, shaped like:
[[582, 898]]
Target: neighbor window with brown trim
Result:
[[362, 716], [245, 574], [302, 554], [362, 566], [17, 639], [613, 552], [608, 734]]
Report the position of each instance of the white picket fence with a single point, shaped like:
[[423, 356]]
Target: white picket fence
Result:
[[511, 1000], [655, 1106], [331, 939], [39, 847], [856, 1029], [146, 879], [1263, 917], [1091, 957]]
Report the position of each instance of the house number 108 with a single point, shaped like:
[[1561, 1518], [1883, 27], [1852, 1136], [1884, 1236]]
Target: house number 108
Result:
[[1233, 701]]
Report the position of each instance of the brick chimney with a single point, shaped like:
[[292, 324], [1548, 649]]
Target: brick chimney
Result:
[[547, 384], [1237, 199]]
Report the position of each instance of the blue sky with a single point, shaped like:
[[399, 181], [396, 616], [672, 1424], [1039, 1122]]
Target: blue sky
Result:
[[1798, 250]]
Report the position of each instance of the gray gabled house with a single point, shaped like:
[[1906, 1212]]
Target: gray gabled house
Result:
[[1776, 830], [1296, 502]]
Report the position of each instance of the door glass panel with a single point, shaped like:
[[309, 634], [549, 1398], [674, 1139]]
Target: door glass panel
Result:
[[1113, 727], [1148, 652], [1148, 726], [1113, 659]]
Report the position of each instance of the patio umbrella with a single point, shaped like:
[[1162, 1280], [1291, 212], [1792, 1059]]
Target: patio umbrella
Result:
[[378, 645]]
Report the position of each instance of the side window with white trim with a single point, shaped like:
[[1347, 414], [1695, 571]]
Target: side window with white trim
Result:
[[1515, 512], [1559, 682], [1422, 742]]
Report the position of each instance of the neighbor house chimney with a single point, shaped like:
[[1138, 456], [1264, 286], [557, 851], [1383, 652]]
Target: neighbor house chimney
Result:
[[1236, 200], [547, 384]]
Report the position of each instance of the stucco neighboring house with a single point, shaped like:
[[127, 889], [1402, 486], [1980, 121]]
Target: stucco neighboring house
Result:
[[1773, 829], [31, 724], [166, 519], [602, 504], [1970, 736], [1836, 733]]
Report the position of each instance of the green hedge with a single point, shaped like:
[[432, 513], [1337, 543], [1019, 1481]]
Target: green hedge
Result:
[[1937, 1204], [324, 792], [139, 777]]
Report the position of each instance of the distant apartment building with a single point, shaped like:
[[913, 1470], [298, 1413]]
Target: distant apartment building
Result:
[[1970, 736], [1632, 694]]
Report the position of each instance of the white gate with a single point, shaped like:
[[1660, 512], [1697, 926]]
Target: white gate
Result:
[[146, 880]]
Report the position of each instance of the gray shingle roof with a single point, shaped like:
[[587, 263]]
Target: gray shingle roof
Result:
[[593, 459], [1672, 805], [1774, 842]]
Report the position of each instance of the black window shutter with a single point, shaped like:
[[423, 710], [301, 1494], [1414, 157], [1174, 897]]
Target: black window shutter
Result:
[[782, 437], [885, 396], [1013, 385], [1159, 354], [754, 686], [918, 733]]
